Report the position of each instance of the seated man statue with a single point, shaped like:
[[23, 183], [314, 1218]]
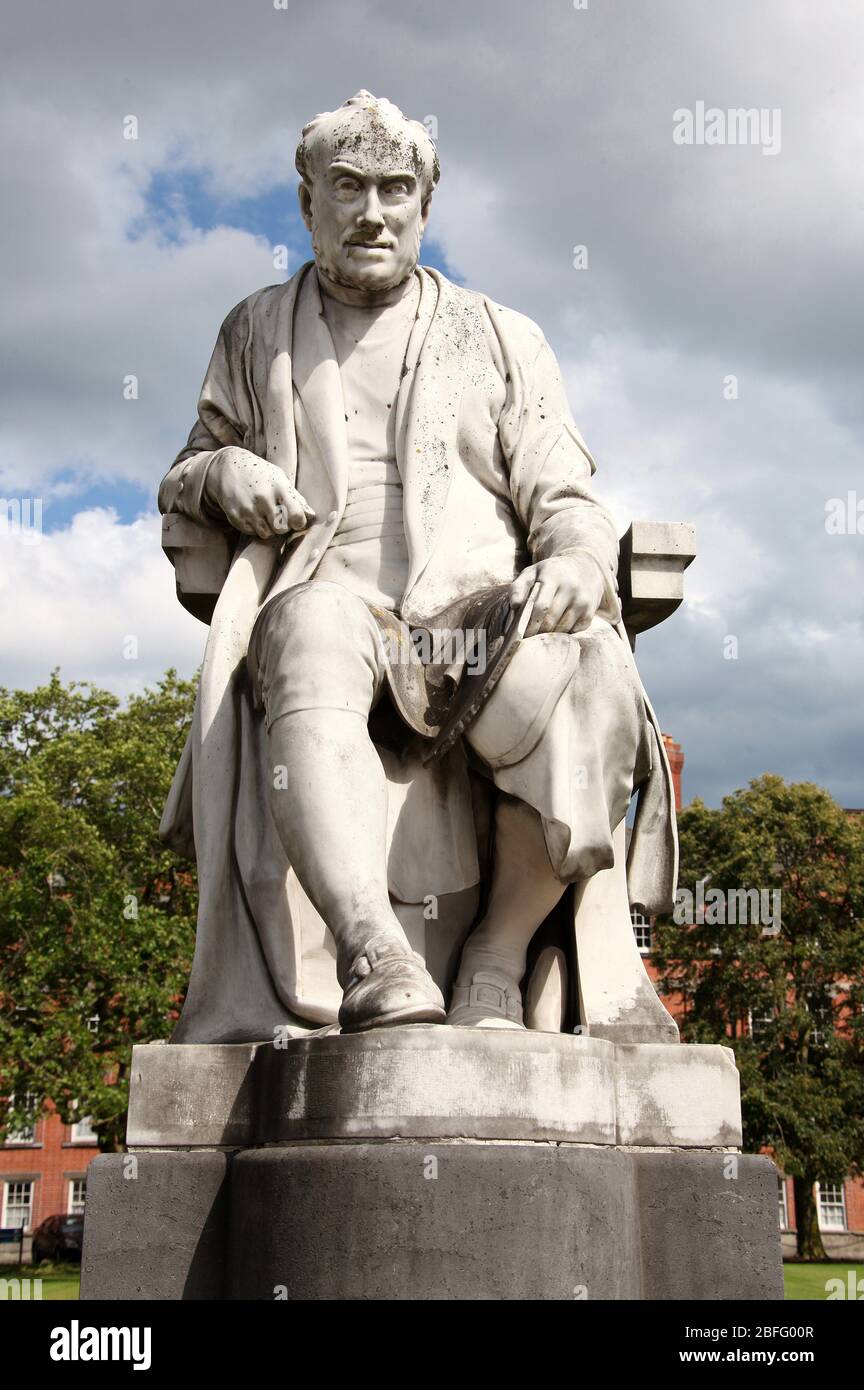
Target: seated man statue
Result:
[[386, 457]]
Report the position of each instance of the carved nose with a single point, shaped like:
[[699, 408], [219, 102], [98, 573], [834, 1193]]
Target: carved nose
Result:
[[371, 215]]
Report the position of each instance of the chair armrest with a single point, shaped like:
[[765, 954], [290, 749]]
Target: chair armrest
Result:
[[652, 559], [201, 556], [653, 556]]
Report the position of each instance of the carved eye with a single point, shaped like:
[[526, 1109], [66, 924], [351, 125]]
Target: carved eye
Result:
[[347, 186], [398, 188]]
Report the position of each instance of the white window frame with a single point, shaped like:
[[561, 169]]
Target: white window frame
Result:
[[82, 1132], [783, 1204], [823, 1018], [18, 1137], [833, 1202], [754, 1020], [642, 923], [74, 1208], [18, 1182]]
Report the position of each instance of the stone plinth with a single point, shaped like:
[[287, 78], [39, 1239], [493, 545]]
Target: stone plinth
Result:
[[432, 1082], [407, 1220], [433, 1163]]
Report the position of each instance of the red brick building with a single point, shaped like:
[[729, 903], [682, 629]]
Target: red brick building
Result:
[[840, 1205], [43, 1172]]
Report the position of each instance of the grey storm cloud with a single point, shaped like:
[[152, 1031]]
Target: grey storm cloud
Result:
[[555, 130]]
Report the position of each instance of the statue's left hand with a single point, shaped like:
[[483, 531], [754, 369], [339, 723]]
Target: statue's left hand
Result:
[[571, 590]]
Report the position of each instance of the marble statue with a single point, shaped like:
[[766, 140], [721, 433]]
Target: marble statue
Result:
[[384, 476], [418, 733]]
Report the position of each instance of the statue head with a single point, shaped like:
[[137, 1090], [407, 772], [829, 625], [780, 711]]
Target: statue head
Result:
[[368, 175]]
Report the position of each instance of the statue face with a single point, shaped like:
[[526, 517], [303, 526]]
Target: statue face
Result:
[[366, 212]]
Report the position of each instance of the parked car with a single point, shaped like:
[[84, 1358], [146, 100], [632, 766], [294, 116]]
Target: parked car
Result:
[[58, 1238]]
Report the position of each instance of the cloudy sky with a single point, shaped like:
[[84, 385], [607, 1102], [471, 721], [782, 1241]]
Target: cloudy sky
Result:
[[555, 129]]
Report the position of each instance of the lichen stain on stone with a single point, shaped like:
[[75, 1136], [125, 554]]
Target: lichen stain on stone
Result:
[[378, 141]]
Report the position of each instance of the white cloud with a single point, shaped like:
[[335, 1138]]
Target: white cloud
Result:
[[83, 597]]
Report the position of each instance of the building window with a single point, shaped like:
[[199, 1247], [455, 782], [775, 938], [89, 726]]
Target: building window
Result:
[[759, 1024], [782, 1204], [17, 1204], [77, 1196], [832, 1206], [82, 1132], [819, 1008], [641, 931], [24, 1134], [818, 1033]]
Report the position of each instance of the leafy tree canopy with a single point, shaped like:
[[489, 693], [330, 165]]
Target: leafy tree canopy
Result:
[[788, 1001], [96, 915]]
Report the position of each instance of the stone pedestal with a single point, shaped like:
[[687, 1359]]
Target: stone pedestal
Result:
[[433, 1163]]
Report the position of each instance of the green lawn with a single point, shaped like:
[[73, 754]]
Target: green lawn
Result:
[[58, 1281], [803, 1282], [807, 1282]]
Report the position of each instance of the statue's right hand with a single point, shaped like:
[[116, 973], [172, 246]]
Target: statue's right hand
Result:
[[254, 495]]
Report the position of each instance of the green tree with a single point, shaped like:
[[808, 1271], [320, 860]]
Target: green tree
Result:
[[790, 1001], [96, 915]]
